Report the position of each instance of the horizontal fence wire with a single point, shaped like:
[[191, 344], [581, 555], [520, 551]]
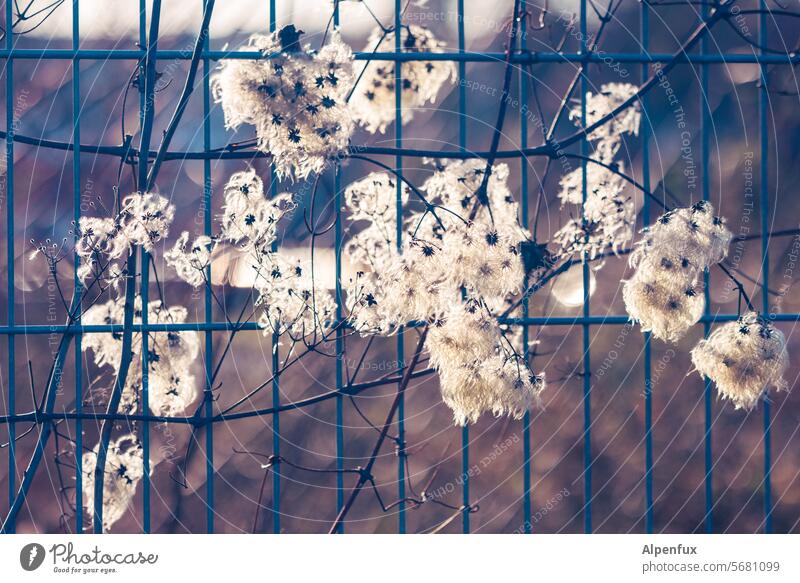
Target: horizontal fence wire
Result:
[[468, 57], [522, 56]]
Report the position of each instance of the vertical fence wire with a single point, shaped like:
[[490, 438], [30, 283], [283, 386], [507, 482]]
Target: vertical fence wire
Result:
[[145, 295], [763, 136], [337, 202], [705, 124], [398, 142], [76, 213], [10, 130], [462, 144], [648, 379], [145, 292], [276, 390], [207, 305], [587, 379], [527, 526]]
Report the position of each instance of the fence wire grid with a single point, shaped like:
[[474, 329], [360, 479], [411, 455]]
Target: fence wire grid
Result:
[[704, 56]]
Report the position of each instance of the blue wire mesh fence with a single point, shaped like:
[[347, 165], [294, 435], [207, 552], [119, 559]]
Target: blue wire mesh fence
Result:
[[403, 150]]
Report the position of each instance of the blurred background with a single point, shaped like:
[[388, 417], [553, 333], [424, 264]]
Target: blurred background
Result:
[[41, 106]]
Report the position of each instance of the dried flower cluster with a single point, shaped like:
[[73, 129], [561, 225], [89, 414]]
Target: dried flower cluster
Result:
[[374, 102], [171, 385], [303, 103], [743, 358], [665, 294], [295, 97], [250, 219], [478, 369], [289, 303], [143, 220], [123, 471], [443, 251], [191, 261], [608, 215], [373, 200], [452, 273], [599, 105], [288, 300]]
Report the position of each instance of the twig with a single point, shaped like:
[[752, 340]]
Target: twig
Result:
[[183, 101], [130, 281], [366, 474], [481, 194]]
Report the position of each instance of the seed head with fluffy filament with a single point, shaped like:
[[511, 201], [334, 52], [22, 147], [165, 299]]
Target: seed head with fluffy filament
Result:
[[743, 359]]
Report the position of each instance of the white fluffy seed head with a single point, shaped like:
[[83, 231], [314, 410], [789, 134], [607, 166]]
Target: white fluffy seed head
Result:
[[477, 371], [695, 232], [608, 99], [290, 301], [374, 198], [599, 181], [171, 355], [607, 218], [743, 359], [145, 218], [373, 102], [191, 260], [663, 305], [608, 226], [296, 98], [452, 272], [104, 242], [123, 470], [454, 184], [250, 219], [101, 236], [665, 294], [101, 243], [442, 254], [485, 260]]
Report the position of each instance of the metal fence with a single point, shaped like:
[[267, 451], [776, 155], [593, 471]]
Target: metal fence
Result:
[[700, 56]]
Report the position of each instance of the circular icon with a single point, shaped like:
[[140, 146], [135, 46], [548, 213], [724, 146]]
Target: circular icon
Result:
[[31, 556]]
